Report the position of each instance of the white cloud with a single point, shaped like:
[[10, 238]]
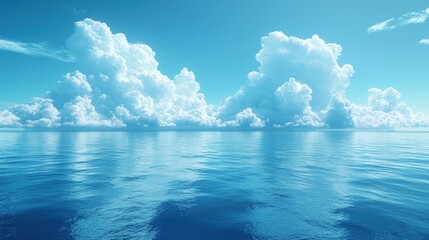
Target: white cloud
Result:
[[406, 19], [414, 17], [119, 86], [247, 118], [424, 41], [299, 83], [126, 81], [39, 113], [383, 26], [36, 49], [8, 119], [339, 113], [383, 100], [275, 96], [385, 109]]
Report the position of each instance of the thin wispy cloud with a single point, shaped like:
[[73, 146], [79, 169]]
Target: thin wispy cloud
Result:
[[4, 105], [406, 19], [37, 50], [424, 41], [75, 11], [383, 26]]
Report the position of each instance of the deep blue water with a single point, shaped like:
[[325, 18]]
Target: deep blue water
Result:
[[214, 185]]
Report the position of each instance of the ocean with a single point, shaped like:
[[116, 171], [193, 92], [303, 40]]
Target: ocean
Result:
[[214, 185]]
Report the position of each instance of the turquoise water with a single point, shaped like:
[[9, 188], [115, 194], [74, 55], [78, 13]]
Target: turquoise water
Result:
[[214, 185]]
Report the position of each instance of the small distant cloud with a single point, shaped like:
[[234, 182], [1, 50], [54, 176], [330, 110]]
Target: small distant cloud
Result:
[[76, 10], [79, 11], [37, 50], [383, 26], [406, 19], [424, 41]]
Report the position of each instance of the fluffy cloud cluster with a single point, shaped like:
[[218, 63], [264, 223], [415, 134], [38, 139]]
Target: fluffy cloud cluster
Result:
[[299, 83], [296, 82], [386, 110], [121, 86]]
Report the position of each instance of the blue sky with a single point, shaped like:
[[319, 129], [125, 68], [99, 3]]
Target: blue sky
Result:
[[218, 40]]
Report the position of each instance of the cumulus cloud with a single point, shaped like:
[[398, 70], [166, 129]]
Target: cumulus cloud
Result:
[[39, 113], [36, 49], [8, 119], [385, 109], [299, 83], [296, 79], [246, 118], [406, 19], [119, 85], [339, 113]]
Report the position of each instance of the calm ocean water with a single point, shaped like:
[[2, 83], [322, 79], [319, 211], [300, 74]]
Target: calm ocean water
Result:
[[214, 185]]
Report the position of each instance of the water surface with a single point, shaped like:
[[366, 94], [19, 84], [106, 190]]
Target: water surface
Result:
[[214, 185]]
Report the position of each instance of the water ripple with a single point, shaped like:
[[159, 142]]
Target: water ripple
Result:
[[214, 185]]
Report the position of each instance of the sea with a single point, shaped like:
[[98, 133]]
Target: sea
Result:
[[321, 184]]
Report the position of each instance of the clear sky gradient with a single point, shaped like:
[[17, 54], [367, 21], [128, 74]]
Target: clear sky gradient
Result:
[[218, 41]]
